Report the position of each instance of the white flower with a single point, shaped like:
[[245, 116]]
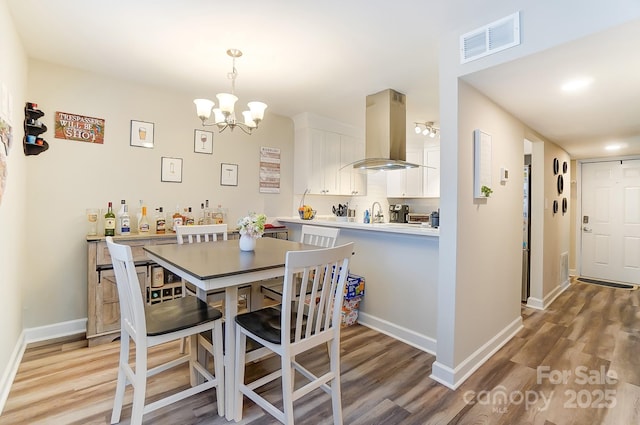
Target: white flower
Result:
[[252, 225]]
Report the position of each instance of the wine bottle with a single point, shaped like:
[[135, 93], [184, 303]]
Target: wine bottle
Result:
[[124, 221], [143, 226], [110, 222], [161, 222]]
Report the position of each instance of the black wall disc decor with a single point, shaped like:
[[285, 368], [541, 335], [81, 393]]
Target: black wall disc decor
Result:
[[555, 207], [565, 167], [565, 206], [560, 184], [556, 166]]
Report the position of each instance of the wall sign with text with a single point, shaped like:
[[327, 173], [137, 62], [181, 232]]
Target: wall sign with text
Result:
[[79, 128]]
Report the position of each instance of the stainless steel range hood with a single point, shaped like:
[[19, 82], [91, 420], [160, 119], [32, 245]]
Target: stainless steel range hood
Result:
[[386, 133]]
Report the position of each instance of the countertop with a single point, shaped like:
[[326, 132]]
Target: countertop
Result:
[[407, 229]]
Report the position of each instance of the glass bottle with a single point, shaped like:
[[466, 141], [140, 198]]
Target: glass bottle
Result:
[[110, 222], [143, 225], [207, 213], [124, 221], [201, 216], [161, 222], [190, 221], [119, 217], [139, 213], [177, 218]]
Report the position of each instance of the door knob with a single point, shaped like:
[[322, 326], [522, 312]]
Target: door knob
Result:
[[586, 229]]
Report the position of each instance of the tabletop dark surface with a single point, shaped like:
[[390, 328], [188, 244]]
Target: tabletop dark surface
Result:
[[210, 260]]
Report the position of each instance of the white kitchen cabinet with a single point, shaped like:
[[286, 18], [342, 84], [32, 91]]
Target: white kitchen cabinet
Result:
[[431, 176], [406, 183], [322, 147], [352, 182], [325, 163]]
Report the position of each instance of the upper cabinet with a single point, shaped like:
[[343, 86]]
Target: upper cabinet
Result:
[[421, 182], [431, 175], [323, 175], [352, 182], [322, 155], [406, 183]]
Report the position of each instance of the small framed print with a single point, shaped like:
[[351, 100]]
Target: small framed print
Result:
[[228, 174], [203, 141], [171, 170], [142, 134]]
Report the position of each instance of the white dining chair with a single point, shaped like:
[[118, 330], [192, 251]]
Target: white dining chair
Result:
[[156, 324], [324, 237], [198, 234], [293, 329]]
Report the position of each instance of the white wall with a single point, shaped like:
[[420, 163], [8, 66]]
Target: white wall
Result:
[[71, 175], [465, 326], [14, 256]]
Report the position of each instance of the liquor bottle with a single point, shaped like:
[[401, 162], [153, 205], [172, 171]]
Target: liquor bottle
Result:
[[190, 220], [201, 217], [161, 222], [177, 218], [220, 215], [119, 215], [143, 225], [124, 221], [139, 213], [207, 213], [110, 222]]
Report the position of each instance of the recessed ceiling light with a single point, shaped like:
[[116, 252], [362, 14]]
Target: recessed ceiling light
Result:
[[577, 84], [613, 147]]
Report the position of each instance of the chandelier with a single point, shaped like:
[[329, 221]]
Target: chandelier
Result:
[[428, 130], [224, 116]]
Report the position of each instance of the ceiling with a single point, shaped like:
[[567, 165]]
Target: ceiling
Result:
[[326, 57]]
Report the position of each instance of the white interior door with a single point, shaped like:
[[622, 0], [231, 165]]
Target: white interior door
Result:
[[611, 221]]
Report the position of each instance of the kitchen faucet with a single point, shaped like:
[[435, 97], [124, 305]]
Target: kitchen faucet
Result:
[[378, 217]]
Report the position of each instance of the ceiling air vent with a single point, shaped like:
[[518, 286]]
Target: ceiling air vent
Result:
[[492, 38]]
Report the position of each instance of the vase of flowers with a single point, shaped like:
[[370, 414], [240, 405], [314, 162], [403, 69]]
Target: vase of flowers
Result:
[[251, 228]]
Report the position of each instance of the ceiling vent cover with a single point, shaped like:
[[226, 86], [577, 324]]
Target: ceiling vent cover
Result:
[[492, 38]]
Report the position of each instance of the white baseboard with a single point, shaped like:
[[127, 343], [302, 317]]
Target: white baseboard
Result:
[[56, 330], [453, 378], [539, 304], [30, 335], [10, 371], [405, 335]]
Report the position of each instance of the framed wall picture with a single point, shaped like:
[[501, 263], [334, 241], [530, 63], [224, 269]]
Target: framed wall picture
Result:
[[202, 141], [142, 134], [171, 170], [228, 174]]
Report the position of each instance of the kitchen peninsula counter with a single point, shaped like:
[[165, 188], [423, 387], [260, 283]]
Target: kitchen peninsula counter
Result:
[[399, 263], [400, 228]]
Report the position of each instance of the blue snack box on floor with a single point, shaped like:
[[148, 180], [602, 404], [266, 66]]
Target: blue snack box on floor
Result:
[[354, 286]]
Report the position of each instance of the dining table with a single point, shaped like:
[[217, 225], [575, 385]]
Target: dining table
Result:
[[222, 265]]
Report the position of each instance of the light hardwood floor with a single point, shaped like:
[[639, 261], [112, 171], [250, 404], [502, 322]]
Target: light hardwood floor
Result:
[[554, 372]]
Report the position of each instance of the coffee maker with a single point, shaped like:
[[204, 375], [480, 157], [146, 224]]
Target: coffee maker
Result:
[[398, 213]]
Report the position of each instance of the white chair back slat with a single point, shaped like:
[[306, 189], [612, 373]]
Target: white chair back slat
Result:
[[201, 233], [323, 273], [324, 237]]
